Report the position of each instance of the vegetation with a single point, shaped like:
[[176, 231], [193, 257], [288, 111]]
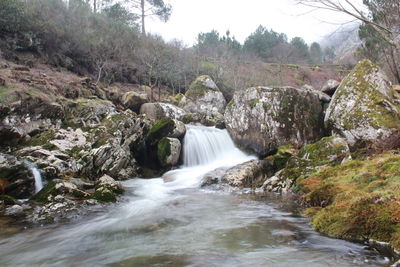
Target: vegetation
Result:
[[358, 199]]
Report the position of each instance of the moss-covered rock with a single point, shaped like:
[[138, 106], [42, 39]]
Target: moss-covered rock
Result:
[[329, 151], [107, 189], [8, 200], [359, 199], [168, 151], [203, 97], [160, 129], [262, 119], [364, 110], [158, 111], [134, 100], [59, 187]]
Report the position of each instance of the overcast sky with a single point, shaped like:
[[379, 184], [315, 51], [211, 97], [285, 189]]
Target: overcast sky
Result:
[[242, 17]]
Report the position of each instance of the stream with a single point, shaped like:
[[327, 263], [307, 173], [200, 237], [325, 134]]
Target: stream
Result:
[[172, 221]]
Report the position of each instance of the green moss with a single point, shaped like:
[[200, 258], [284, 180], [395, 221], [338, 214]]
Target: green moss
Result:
[[163, 149], [231, 105], [320, 152], [47, 190], [104, 195], [42, 139], [8, 200], [160, 129], [356, 200], [254, 102], [7, 95], [197, 88], [282, 156]]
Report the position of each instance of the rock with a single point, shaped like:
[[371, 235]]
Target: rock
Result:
[[52, 163], [216, 119], [168, 151], [16, 179], [8, 200], [203, 97], [262, 118], [323, 97], [116, 143], [158, 111], [213, 177], [57, 190], [15, 210], [134, 100], [68, 139], [87, 112], [248, 174], [330, 87], [107, 189], [165, 127], [364, 110], [329, 151]]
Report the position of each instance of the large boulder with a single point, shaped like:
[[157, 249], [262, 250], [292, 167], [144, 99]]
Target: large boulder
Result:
[[364, 110], [134, 100], [203, 97], [262, 118], [330, 87], [158, 111]]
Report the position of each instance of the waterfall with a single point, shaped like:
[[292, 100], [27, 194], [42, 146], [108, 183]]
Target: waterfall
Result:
[[203, 145], [36, 174]]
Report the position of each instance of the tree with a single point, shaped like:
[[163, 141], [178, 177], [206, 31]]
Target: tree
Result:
[[315, 53], [147, 8], [262, 41], [120, 14], [381, 15], [301, 45]]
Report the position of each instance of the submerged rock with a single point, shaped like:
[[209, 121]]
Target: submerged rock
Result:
[[364, 110], [262, 118], [203, 97]]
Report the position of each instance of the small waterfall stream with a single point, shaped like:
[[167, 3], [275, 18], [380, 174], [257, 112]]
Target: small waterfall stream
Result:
[[36, 174], [170, 221]]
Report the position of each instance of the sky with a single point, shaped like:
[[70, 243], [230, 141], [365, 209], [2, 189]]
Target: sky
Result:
[[242, 17]]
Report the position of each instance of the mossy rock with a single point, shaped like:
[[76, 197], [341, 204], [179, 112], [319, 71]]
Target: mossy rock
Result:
[[104, 195], [160, 129], [163, 149], [357, 200], [8, 200], [48, 190], [200, 86]]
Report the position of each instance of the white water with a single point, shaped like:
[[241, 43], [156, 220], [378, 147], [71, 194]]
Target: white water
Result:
[[168, 221], [36, 174]]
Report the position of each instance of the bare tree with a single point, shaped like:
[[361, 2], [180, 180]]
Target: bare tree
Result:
[[382, 15]]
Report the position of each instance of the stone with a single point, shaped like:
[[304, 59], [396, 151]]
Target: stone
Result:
[[329, 151], [262, 119], [330, 87], [365, 111], [68, 139], [203, 97], [158, 111], [247, 174], [168, 151], [15, 210], [134, 100], [323, 97], [107, 189]]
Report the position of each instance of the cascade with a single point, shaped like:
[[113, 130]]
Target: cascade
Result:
[[36, 174]]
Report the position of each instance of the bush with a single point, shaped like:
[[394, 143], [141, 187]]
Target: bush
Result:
[[13, 16]]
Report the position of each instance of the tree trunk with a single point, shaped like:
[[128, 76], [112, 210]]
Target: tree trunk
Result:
[[94, 6], [143, 16]]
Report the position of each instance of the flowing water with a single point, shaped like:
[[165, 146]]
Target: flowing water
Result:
[[171, 221], [36, 174]]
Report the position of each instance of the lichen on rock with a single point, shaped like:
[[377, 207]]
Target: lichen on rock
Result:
[[364, 110]]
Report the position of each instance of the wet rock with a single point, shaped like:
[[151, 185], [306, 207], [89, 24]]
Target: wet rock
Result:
[[213, 177], [158, 111], [56, 190], [262, 118], [134, 100], [16, 179], [248, 174], [203, 97], [107, 189], [330, 87], [168, 151], [165, 127], [364, 110], [15, 210]]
